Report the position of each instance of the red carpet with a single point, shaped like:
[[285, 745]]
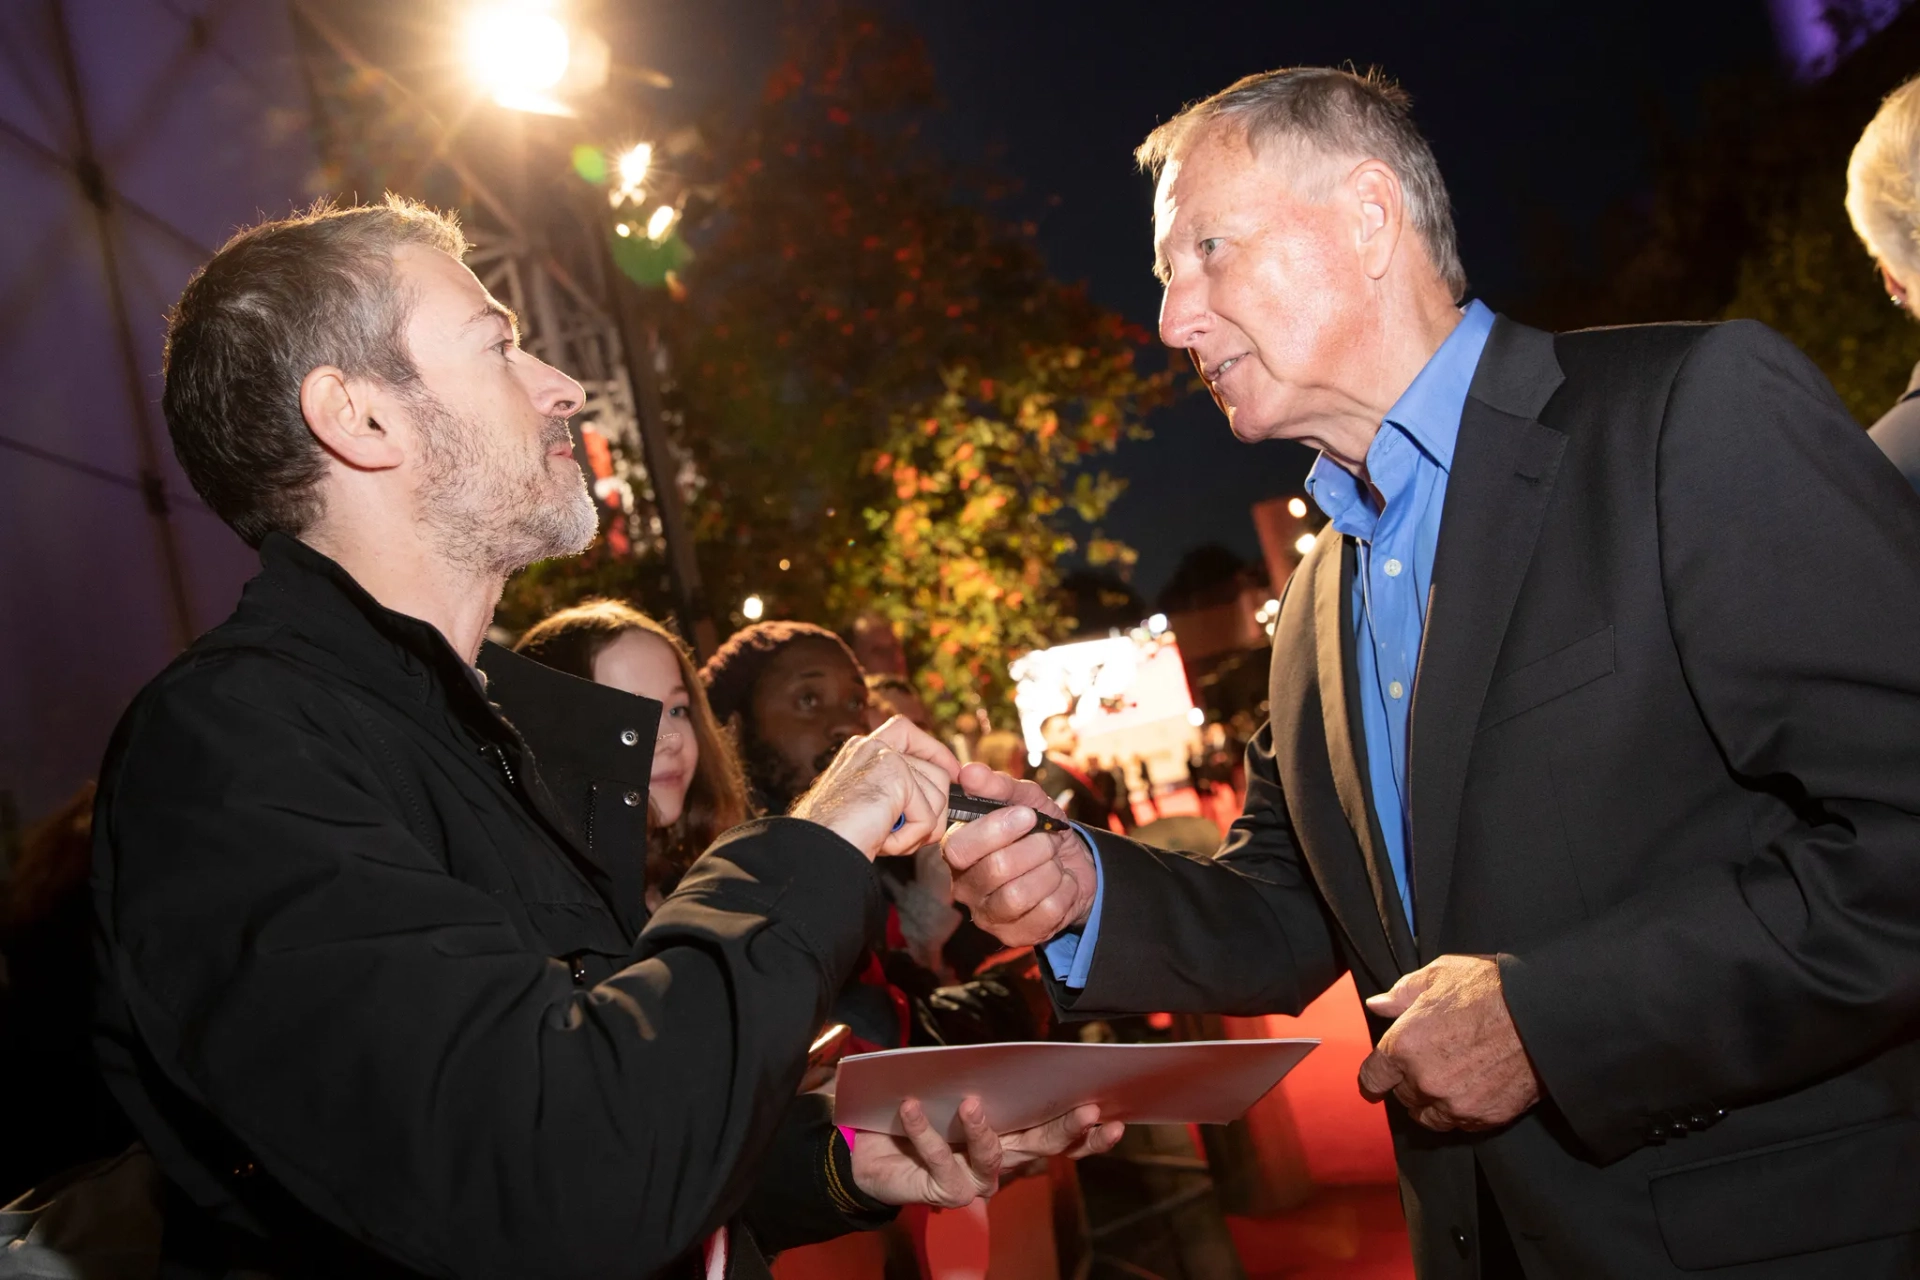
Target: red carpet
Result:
[[1344, 1233], [1352, 1228]]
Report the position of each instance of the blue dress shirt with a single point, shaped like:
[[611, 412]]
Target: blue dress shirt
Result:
[[1397, 534], [1396, 530]]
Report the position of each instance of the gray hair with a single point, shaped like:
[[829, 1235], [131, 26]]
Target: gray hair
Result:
[[1881, 180], [1336, 113], [279, 300]]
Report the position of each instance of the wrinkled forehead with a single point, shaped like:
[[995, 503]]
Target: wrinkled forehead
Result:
[[1218, 166]]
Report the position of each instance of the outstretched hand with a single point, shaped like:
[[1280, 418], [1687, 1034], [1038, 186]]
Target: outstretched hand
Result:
[[1022, 886], [885, 792], [922, 1168]]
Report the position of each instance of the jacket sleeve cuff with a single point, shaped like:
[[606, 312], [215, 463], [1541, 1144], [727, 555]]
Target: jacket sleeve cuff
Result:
[[804, 1192], [1070, 955], [794, 872], [1545, 1001]]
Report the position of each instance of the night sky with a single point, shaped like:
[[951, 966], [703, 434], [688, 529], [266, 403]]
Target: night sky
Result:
[[1531, 107]]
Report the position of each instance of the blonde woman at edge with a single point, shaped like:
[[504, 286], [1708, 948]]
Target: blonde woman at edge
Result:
[[1883, 199]]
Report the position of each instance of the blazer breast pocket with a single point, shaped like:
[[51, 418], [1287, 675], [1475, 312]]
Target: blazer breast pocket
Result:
[[1543, 680]]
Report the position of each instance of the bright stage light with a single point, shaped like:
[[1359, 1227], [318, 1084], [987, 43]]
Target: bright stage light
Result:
[[622, 230], [661, 222], [752, 608], [1297, 507], [1196, 717], [634, 163], [519, 51], [1157, 624], [1304, 543]]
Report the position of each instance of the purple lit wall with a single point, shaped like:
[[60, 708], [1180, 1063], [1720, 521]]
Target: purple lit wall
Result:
[[1816, 35], [135, 135]]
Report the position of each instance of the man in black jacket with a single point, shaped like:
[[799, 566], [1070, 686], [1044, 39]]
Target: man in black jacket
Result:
[[1061, 776], [1634, 888], [371, 997]]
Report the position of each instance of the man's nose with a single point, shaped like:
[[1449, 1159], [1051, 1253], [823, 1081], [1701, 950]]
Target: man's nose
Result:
[[1183, 315], [556, 395]]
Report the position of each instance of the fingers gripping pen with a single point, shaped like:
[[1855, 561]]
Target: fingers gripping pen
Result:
[[962, 807]]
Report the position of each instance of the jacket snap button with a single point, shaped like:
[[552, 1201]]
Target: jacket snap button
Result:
[[632, 799], [629, 738], [1460, 1242]]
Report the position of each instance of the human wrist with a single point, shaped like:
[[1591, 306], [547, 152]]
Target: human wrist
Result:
[[845, 820], [847, 1184]]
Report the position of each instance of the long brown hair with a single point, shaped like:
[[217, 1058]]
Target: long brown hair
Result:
[[569, 641]]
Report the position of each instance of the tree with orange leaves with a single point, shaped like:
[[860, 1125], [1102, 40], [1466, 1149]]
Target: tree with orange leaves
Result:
[[894, 405]]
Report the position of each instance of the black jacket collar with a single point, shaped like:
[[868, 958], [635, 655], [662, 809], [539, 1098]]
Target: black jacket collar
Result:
[[305, 595]]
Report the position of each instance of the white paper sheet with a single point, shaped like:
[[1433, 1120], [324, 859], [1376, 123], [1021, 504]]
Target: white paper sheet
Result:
[[1028, 1083]]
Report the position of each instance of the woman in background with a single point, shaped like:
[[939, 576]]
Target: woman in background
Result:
[[695, 791], [1883, 200]]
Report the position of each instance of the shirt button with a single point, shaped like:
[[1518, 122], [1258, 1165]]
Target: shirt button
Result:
[[632, 799], [1396, 689], [628, 738], [1392, 567]]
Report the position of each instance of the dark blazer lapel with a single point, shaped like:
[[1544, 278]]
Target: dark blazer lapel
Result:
[[1497, 493], [1346, 743]]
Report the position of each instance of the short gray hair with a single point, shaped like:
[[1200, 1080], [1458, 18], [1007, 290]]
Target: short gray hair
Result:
[[1881, 181], [1336, 113], [279, 300]]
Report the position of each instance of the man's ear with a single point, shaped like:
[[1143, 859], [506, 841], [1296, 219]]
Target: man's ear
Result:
[[1375, 190], [340, 413]]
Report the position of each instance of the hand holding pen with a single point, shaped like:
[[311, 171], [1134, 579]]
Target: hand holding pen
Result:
[[962, 807], [886, 792], [1021, 869]]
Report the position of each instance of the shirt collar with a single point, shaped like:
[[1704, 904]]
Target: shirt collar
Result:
[[1428, 413], [1429, 410]]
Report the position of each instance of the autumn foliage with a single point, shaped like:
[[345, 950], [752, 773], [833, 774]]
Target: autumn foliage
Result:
[[883, 386]]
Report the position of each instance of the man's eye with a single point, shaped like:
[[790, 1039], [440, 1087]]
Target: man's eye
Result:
[[1208, 245], [808, 701], [682, 712], [503, 346]]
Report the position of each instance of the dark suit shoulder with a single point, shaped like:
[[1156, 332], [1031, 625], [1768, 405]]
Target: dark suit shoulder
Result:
[[1654, 349], [1641, 350], [1645, 373]]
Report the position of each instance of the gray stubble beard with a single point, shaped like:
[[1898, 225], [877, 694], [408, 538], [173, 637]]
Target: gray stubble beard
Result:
[[485, 520]]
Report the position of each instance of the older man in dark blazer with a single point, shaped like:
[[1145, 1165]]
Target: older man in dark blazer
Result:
[[1594, 750]]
